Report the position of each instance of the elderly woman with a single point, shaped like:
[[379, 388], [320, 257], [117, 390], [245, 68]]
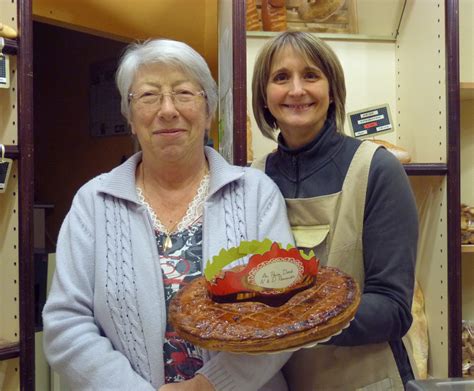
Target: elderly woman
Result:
[[348, 200], [135, 235]]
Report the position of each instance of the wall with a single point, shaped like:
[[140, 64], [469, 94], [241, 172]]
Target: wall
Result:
[[66, 155], [191, 21]]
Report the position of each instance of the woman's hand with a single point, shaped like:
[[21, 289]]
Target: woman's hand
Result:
[[197, 383]]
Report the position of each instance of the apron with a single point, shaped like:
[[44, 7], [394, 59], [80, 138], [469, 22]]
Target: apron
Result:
[[332, 226]]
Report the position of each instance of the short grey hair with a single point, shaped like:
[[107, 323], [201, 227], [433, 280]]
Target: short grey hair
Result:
[[167, 52]]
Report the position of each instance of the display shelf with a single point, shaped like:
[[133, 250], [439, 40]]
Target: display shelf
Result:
[[9, 350], [8, 46], [467, 248], [426, 169], [328, 36], [12, 152], [467, 91], [427, 125]]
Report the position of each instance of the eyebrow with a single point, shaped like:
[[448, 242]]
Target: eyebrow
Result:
[[306, 69], [173, 85]]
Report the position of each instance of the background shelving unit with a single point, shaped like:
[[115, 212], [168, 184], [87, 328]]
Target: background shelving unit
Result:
[[16, 205], [466, 140], [416, 70]]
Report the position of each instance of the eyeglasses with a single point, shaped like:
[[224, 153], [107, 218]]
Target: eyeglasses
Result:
[[154, 99]]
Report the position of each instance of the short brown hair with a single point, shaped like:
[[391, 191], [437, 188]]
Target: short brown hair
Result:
[[315, 51]]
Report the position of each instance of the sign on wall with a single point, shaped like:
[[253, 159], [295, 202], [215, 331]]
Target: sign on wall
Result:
[[105, 116], [371, 121]]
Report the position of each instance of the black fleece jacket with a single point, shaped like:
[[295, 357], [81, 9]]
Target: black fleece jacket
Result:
[[390, 233]]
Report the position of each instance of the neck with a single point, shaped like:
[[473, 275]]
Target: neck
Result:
[[170, 189], [172, 175]]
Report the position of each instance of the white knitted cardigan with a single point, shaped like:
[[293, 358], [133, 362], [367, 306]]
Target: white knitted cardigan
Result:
[[108, 283]]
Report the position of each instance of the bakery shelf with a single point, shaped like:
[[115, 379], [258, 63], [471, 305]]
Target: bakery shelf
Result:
[[467, 91], [12, 152], [9, 350], [426, 169], [467, 248], [8, 46], [329, 36]]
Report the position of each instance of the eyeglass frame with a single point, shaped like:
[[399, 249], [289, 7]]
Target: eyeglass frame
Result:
[[161, 95]]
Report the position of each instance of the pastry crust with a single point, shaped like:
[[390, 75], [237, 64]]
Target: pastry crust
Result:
[[252, 18], [401, 154], [273, 15], [319, 10], [252, 327]]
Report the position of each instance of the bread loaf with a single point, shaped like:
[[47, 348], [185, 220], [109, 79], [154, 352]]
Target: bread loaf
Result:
[[7, 31], [401, 154], [274, 15], [417, 335], [252, 18], [319, 10]]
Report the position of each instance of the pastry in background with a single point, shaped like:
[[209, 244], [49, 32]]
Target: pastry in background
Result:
[[417, 336], [467, 348], [319, 10], [7, 31], [274, 15], [467, 224], [401, 154], [251, 16]]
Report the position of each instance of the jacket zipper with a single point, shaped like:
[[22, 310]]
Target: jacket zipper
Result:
[[294, 161]]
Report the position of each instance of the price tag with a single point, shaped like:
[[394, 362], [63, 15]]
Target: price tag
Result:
[[5, 168], [371, 121], [4, 71]]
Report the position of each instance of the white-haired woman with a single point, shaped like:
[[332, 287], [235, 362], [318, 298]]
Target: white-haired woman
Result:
[[133, 236]]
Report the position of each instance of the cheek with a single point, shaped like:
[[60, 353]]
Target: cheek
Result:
[[273, 96]]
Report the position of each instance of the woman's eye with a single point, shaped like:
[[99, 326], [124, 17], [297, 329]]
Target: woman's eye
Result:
[[184, 93], [311, 76], [146, 94], [280, 77]]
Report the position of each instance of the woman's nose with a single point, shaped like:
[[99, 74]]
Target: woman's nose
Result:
[[167, 107], [297, 87]]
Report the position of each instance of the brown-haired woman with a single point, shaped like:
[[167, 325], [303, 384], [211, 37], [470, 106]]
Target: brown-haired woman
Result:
[[349, 200]]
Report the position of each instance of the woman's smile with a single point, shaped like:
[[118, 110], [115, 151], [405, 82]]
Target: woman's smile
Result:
[[298, 106], [169, 132]]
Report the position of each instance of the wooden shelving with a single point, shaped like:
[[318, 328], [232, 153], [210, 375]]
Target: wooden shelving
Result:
[[467, 248], [467, 91], [426, 169], [8, 46], [9, 350], [12, 152]]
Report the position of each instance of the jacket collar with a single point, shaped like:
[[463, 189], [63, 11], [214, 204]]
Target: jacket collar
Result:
[[120, 182], [301, 162]]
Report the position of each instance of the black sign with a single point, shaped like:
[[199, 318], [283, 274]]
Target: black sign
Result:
[[4, 80], [369, 122], [5, 165]]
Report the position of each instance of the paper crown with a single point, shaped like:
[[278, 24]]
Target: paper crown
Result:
[[272, 275]]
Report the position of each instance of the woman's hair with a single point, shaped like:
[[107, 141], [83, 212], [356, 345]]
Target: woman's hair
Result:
[[315, 51], [167, 52]]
